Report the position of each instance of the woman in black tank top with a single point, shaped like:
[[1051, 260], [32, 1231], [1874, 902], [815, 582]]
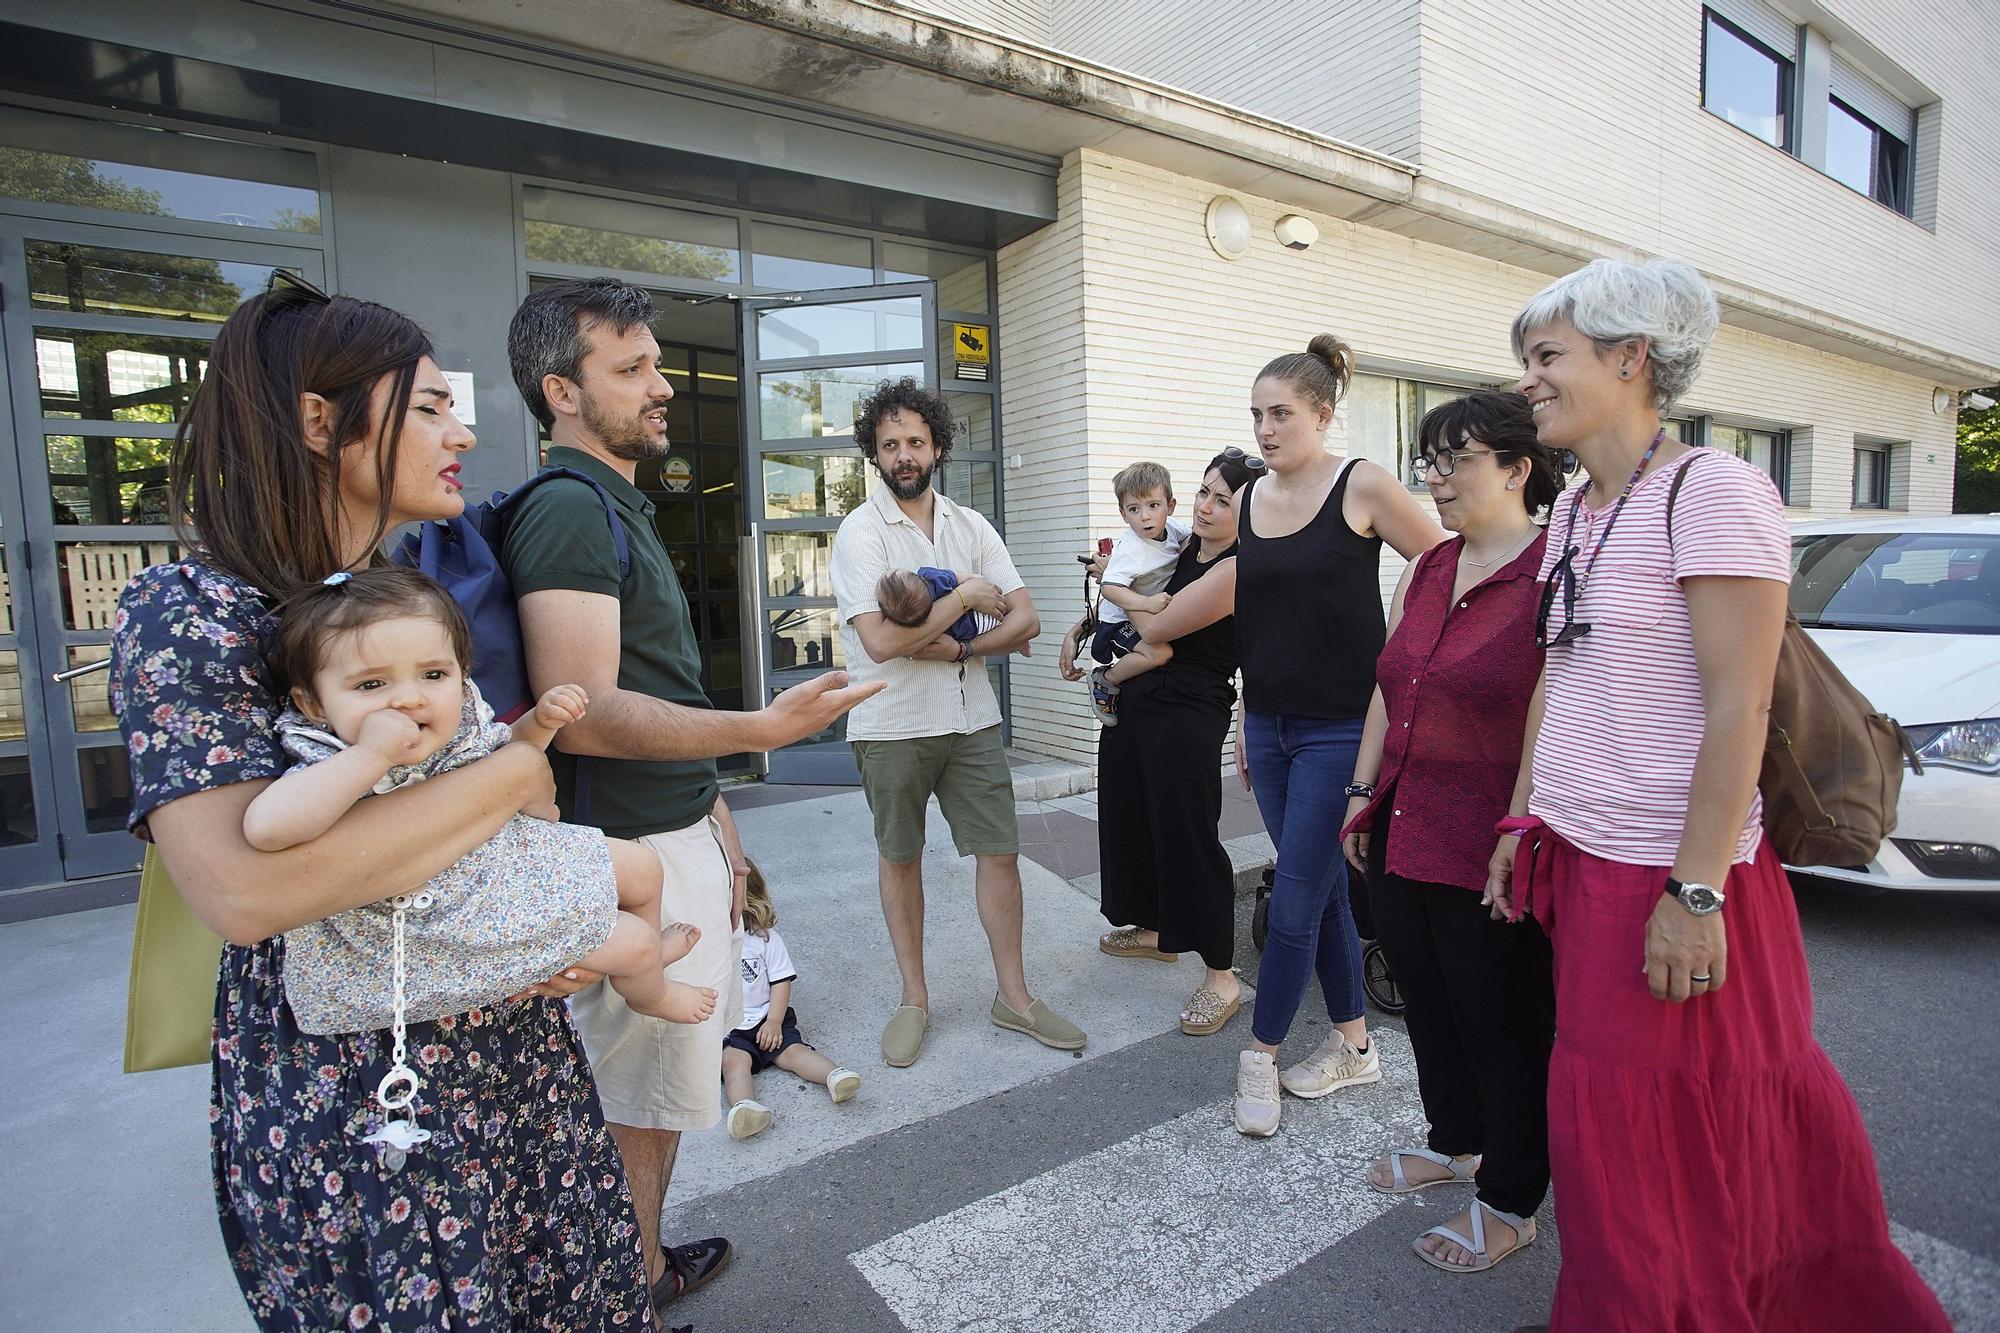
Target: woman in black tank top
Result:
[[1309, 626]]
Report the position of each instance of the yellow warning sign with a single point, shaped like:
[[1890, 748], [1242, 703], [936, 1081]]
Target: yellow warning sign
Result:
[[972, 343]]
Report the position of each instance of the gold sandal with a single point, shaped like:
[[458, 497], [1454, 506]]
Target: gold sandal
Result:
[[1124, 943], [1207, 1011]]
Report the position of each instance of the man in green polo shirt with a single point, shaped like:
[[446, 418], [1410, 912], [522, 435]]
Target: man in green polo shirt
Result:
[[641, 764]]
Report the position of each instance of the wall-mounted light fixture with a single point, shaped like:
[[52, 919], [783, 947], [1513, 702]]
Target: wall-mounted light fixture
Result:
[[1228, 226], [1296, 233], [1944, 401]]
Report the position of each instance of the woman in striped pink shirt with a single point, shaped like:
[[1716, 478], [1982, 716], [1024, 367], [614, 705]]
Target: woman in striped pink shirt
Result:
[[1711, 1170]]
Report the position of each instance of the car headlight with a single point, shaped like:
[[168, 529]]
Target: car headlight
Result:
[[1973, 745]]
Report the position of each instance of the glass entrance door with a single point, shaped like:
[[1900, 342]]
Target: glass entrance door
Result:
[[812, 356], [106, 333]]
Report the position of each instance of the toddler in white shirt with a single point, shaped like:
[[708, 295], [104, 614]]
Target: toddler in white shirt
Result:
[[769, 1034], [1142, 559]]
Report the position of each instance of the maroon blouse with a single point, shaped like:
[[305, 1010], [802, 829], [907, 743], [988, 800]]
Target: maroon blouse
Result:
[[1456, 679]]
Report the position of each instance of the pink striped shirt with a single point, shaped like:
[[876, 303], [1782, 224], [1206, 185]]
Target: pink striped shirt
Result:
[[1623, 714]]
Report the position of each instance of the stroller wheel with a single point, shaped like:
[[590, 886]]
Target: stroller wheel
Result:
[[1260, 917], [1376, 981]]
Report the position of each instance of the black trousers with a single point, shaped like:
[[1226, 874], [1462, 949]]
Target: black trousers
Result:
[[1482, 1019], [1159, 799]]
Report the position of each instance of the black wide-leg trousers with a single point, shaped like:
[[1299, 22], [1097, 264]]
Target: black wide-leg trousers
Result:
[[1481, 1017]]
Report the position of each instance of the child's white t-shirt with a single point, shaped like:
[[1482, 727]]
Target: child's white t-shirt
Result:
[[765, 963], [1142, 566]]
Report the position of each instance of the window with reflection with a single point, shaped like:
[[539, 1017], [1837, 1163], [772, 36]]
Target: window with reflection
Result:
[[101, 479], [794, 259], [138, 284], [816, 485], [1378, 419], [840, 329], [95, 573], [117, 376], [796, 564], [17, 791], [1864, 157], [122, 172], [1769, 451], [1746, 82], [803, 404], [595, 232], [962, 279]]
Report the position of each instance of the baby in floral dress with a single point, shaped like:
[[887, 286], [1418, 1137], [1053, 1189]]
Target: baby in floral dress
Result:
[[375, 664]]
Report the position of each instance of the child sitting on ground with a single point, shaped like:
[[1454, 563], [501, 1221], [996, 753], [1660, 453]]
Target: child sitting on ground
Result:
[[770, 1032], [1141, 561], [376, 666], [906, 598]]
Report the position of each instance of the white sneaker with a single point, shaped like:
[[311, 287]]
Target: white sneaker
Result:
[[1257, 1108], [748, 1119], [1335, 1064], [842, 1084]]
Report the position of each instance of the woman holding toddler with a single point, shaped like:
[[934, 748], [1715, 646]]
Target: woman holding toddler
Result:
[[320, 425]]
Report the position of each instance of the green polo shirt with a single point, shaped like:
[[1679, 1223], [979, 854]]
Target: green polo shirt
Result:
[[559, 538]]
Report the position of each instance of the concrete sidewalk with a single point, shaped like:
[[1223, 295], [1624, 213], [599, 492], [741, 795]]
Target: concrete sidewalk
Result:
[[110, 1170]]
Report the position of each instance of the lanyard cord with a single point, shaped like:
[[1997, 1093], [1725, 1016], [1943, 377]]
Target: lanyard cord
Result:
[[1659, 437]]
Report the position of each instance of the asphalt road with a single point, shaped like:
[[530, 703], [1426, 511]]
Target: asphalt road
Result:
[[1112, 1193]]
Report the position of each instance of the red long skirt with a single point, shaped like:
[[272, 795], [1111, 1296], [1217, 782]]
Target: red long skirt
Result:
[[1711, 1170]]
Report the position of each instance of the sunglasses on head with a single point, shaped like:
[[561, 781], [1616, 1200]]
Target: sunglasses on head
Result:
[[284, 280], [1563, 577], [1250, 461]]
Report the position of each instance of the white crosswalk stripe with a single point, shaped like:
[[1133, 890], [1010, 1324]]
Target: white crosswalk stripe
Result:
[[1158, 1232]]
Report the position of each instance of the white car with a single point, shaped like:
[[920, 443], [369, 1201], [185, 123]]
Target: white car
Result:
[[1909, 609]]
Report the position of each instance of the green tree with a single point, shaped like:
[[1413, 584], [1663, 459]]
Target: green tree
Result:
[[1978, 483], [55, 179], [589, 248]]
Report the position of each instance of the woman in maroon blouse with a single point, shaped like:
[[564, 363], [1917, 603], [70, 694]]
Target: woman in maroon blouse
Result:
[[1437, 765]]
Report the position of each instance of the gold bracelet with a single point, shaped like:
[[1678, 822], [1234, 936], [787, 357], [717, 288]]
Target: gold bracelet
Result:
[[963, 605]]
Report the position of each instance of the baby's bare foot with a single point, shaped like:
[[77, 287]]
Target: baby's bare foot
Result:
[[686, 1004], [676, 940]]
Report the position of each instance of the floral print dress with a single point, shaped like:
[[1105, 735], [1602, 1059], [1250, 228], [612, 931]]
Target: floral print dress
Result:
[[515, 1215]]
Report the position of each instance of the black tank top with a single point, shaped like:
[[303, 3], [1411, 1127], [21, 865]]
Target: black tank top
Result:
[[1309, 622]]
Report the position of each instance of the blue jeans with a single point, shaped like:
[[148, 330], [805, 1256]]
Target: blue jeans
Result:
[[1300, 768]]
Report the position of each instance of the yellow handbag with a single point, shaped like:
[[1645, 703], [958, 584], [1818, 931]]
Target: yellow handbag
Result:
[[170, 1007]]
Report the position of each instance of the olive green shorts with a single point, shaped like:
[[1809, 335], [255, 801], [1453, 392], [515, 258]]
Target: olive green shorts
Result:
[[968, 775]]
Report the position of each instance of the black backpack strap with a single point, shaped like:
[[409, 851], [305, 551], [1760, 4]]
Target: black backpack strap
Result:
[[548, 474], [580, 798]]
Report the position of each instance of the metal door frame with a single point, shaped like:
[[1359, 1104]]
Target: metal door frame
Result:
[[818, 763], [74, 851]]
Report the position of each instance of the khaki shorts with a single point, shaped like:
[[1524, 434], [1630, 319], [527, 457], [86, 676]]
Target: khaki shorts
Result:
[[653, 1074], [968, 775]]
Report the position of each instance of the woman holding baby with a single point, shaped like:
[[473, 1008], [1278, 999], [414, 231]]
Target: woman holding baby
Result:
[[322, 424]]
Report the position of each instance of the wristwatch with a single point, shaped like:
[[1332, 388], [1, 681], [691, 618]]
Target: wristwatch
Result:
[[1700, 899], [1362, 789]]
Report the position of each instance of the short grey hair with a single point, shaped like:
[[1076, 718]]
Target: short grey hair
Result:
[[1612, 301], [550, 334]]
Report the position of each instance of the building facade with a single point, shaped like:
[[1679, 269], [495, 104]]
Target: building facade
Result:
[[1011, 199]]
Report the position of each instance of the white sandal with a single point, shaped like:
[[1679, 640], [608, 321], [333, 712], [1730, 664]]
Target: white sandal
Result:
[[1524, 1236], [1461, 1172]]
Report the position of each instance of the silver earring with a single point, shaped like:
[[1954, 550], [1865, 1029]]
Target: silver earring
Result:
[[1510, 485]]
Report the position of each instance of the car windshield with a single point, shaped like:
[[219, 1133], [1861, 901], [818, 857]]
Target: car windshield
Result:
[[1914, 582]]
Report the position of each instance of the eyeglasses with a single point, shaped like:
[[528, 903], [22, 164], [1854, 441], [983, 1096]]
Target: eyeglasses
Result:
[[283, 279], [1445, 461], [1250, 461], [1563, 578]]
